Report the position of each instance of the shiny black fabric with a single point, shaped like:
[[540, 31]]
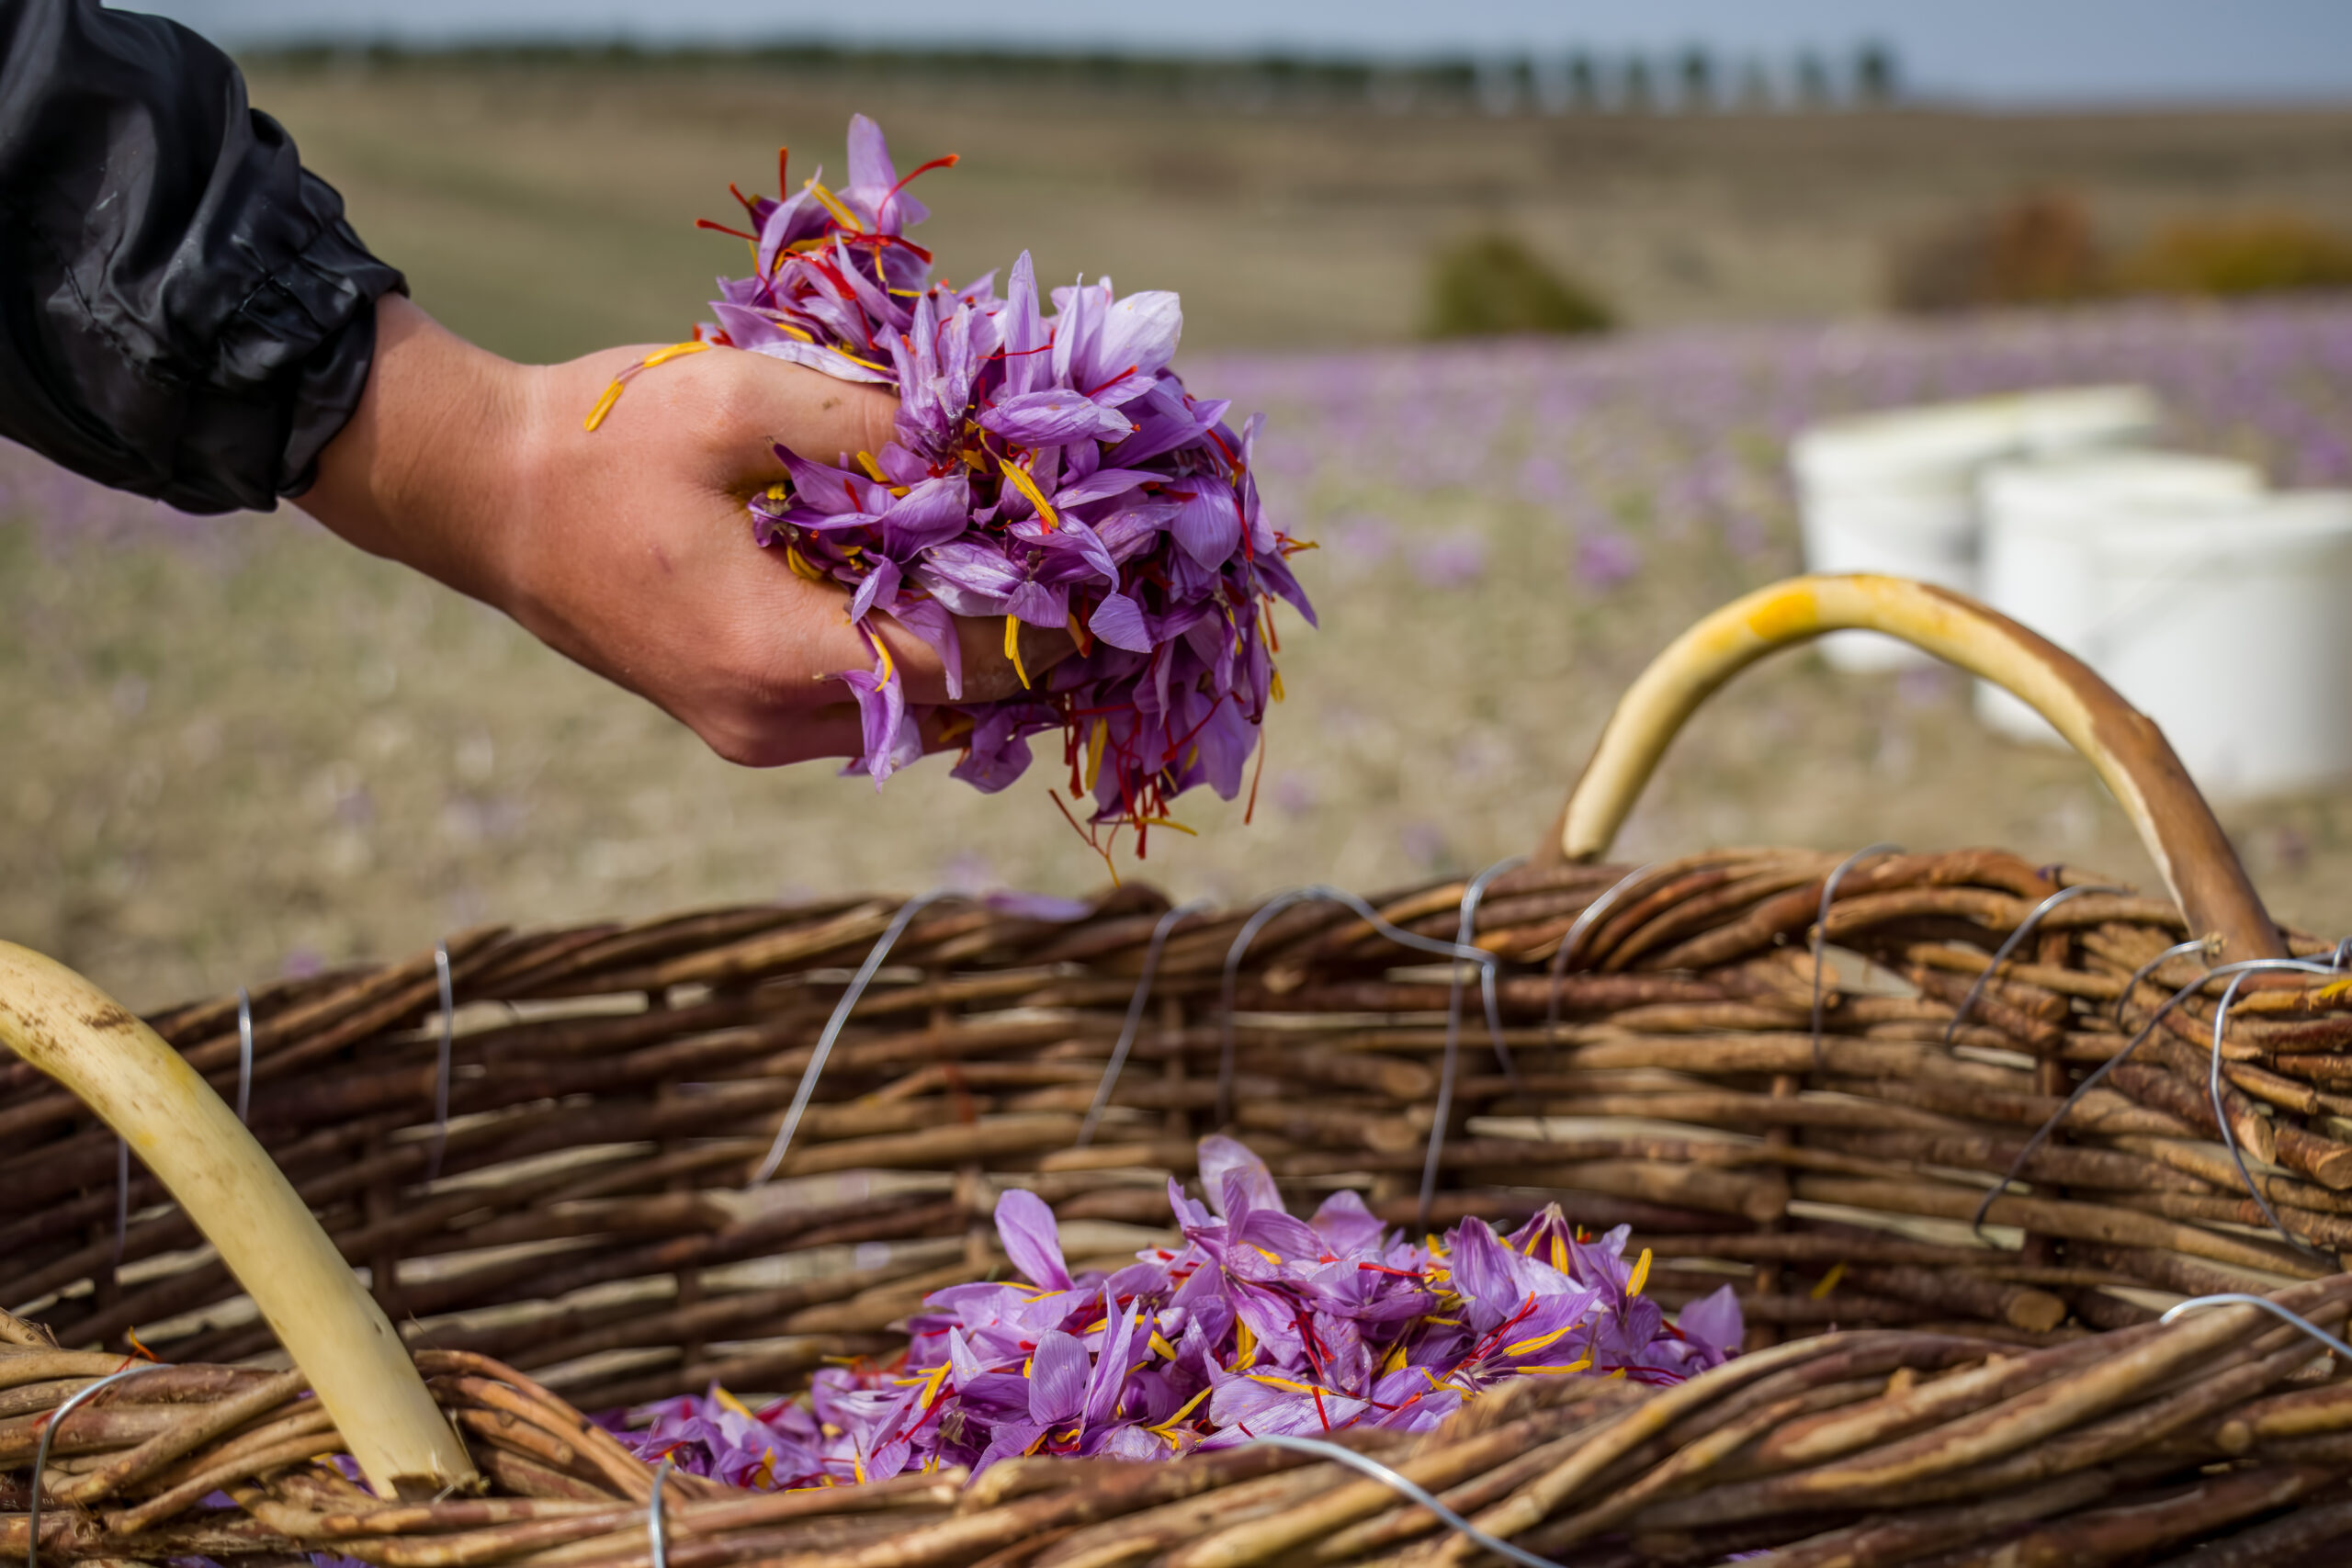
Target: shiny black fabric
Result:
[[184, 311]]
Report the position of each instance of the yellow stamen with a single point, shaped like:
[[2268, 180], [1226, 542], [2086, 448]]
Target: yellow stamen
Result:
[[603, 406], [1028, 487], [1560, 1254], [1641, 1276], [1168, 1429], [1285, 1385], [889, 665], [675, 351], [835, 206], [1529, 1346], [1013, 648], [727, 1401], [1172, 823], [1273, 1258], [612, 393], [1396, 1358], [1829, 1281], [1094, 743], [1244, 1345], [853, 359], [866, 461], [1275, 684], [1160, 1343], [1579, 1364], [800, 565]]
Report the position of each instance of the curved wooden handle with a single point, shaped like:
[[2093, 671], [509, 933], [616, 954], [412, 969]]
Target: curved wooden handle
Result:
[[243, 1204], [2124, 745]]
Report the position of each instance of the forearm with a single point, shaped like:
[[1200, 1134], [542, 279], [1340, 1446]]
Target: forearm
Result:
[[427, 471], [182, 310]]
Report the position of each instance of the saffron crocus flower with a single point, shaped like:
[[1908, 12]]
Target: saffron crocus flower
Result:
[[1046, 468], [1256, 1323]]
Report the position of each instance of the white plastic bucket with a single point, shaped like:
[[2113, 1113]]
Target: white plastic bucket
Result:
[[1895, 493], [2042, 562], [2231, 630]]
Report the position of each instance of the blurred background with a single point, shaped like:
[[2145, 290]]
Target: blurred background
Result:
[[1536, 295]]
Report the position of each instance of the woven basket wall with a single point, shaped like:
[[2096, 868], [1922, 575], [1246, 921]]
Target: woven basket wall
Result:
[[1793, 1103]]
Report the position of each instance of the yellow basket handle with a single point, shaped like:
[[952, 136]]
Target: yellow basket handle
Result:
[[2129, 751], [267, 1237]]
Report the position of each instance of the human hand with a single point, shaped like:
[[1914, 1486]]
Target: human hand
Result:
[[627, 549]]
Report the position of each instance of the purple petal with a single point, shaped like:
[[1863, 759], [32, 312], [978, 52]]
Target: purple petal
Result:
[[833, 363], [930, 513], [1118, 620], [1058, 1373], [929, 620], [1714, 1321], [1038, 605], [881, 585], [1229, 1171], [1141, 331], [1026, 368], [1025, 1225], [1103, 483], [1053, 417], [1208, 527]]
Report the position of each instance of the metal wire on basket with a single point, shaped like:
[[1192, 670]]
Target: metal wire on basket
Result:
[[1821, 930], [1407, 1487], [1464, 932], [41, 1454], [1586, 918], [244, 1051], [2239, 1298], [657, 1528], [1161, 933], [2042, 1134], [2010, 945], [842, 1009], [441, 1060], [1487, 964]]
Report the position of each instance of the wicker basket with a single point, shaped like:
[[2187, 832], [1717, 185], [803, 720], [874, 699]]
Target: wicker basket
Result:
[[1804, 1073]]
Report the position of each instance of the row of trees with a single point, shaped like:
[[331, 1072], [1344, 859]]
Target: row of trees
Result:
[[1694, 80], [1691, 80]]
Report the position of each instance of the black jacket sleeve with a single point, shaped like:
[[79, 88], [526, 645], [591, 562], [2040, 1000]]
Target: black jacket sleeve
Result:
[[184, 311]]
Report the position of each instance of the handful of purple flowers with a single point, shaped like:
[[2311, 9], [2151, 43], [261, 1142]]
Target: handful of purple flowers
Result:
[[1047, 470], [1259, 1324]]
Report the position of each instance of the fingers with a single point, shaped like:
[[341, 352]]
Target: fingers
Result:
[[774, 739], [800, 632], [769, 402], [990, 674]]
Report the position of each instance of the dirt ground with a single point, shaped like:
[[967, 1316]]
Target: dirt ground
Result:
[[234, 745]]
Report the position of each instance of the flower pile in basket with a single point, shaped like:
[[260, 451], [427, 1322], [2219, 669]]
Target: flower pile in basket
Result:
[[1048, 469], [1259, 1324]]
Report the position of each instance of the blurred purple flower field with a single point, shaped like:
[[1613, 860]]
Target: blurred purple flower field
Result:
[[325, 755]]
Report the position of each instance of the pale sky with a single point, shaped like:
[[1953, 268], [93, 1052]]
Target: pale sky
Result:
[[2038, 51]]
